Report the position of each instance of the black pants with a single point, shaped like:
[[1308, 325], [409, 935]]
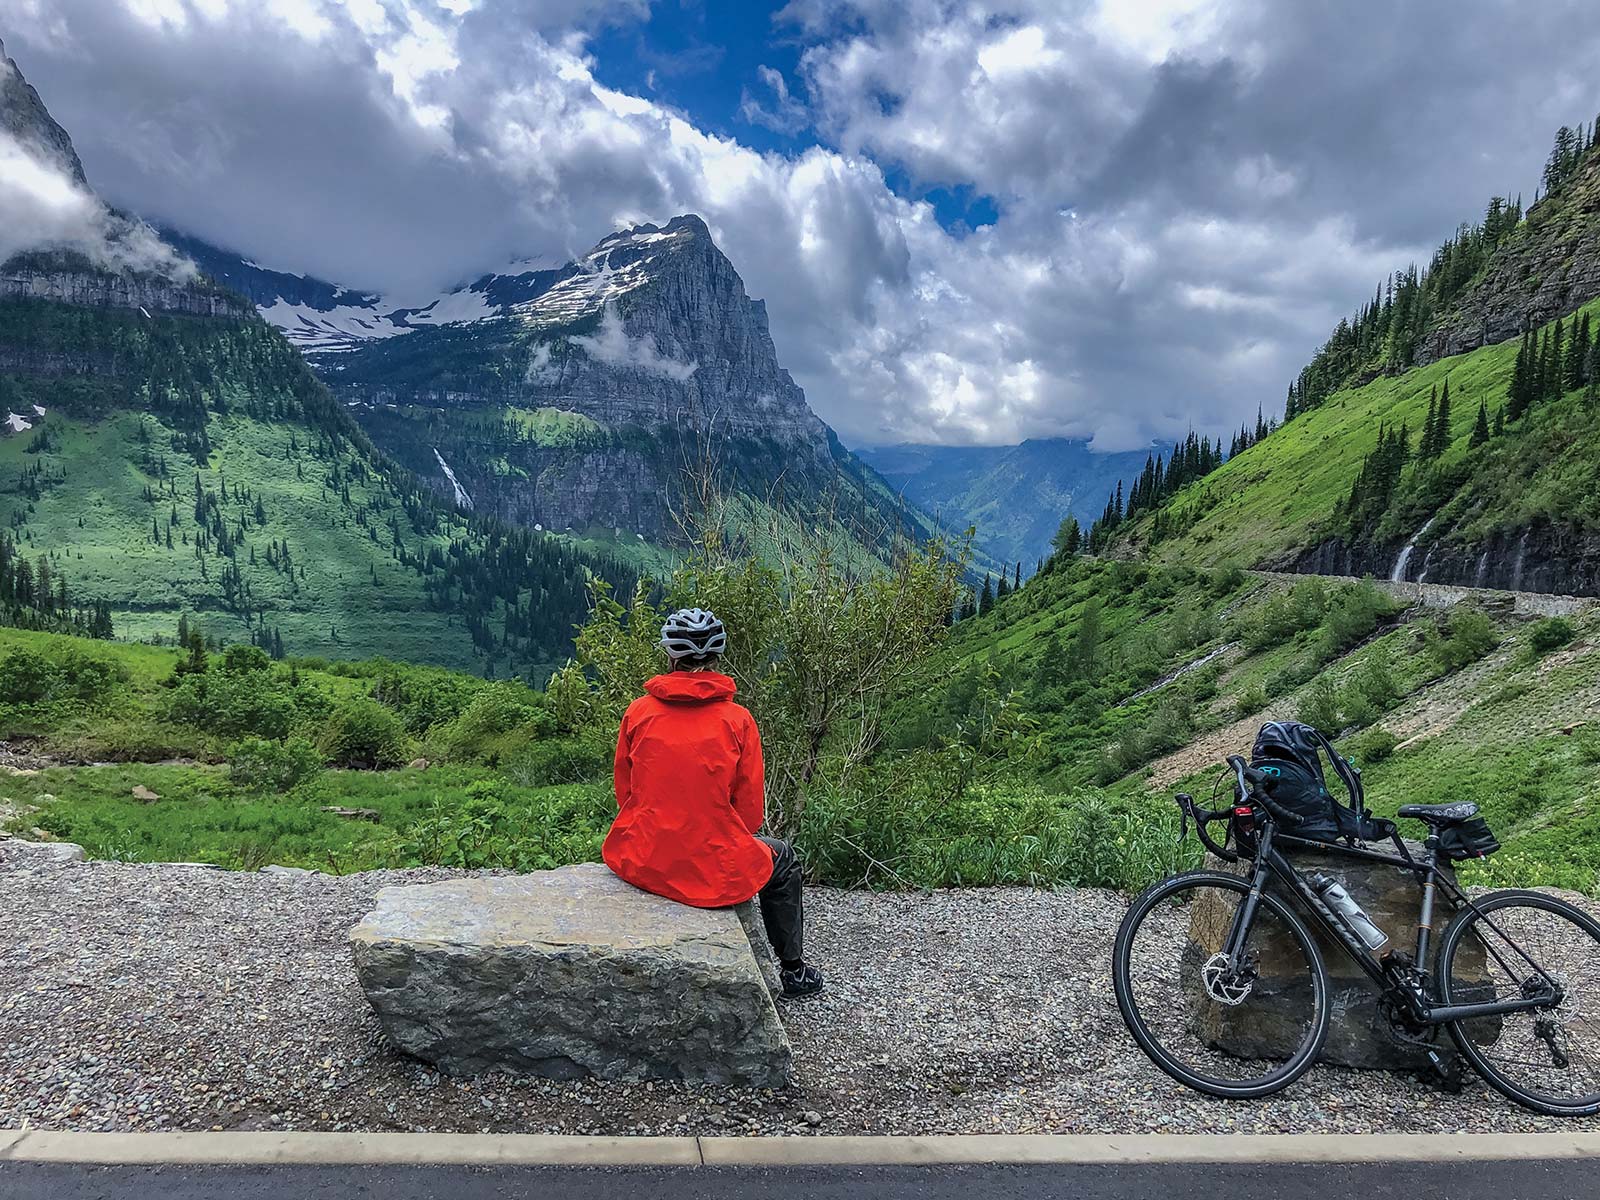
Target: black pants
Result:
[[782, 908]]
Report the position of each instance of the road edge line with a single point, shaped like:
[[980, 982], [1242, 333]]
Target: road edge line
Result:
[[417, 1149]]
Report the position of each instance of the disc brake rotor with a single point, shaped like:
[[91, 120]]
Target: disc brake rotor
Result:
[[1224, 982]]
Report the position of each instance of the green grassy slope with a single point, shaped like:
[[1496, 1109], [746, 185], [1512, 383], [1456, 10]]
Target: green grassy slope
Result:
[[1215, 653], [212, 436], [1280, 496]]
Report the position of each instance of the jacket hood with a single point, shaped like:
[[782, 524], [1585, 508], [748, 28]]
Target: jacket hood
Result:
[[691, 687]]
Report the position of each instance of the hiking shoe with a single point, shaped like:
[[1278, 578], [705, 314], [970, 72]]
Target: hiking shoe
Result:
[[804, 980]]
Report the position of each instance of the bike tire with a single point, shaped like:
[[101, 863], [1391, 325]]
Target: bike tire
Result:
[[1122, 967], [1457, 990]]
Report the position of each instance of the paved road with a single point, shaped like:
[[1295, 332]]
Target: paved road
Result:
[[1565, 1180]]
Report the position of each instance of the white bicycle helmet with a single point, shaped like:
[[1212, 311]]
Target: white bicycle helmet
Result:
[[693, 633]]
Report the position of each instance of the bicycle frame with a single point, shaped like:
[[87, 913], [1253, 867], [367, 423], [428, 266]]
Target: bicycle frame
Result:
[[1269, 863]]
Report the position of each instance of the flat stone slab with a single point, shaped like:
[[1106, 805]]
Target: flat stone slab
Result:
[[569, 973]]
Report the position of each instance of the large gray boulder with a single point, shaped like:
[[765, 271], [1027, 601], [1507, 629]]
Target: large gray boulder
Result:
[[569, 973], [1358, 1033]]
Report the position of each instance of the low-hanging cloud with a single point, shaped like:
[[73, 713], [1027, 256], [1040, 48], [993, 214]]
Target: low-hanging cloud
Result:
[[612, 345], [46, 209]]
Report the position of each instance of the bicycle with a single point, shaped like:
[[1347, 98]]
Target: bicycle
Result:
[[1222, 985]]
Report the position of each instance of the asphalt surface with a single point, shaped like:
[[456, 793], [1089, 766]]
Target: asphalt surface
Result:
[[1563, 1180]]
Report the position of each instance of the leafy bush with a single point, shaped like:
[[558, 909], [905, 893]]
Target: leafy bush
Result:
[[488, 829], [1167, 728], [262, 765], [919, 836], [1462, 637], [26, 678], [242, 659], [233, 704], [30, 678], [1374, 680], [497, 710], [1550, 634], [1320, 708], [363, 733], [1353, 612], [425, 698], [1250, 701], [1371, 746], [562, 760]]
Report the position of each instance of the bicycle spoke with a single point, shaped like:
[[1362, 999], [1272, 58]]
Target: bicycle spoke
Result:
[[1542, 1057], [1218, 1023]]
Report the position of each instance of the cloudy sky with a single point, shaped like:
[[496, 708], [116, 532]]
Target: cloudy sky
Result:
[[972, 223]]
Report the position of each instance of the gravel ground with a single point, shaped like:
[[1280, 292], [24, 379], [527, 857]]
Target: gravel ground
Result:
[[165, 997]]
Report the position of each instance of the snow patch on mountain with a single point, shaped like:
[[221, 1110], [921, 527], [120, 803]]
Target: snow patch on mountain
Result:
[[321, 331]]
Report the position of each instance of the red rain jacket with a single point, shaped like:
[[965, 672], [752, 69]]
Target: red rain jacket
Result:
[[689, 794]]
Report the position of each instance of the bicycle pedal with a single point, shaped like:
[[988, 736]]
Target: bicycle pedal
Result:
[[1446, 1072]]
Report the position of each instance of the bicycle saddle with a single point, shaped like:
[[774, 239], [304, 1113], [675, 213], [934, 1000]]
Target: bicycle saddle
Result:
[[1440, 814]]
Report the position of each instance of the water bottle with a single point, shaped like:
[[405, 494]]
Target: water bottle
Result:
[[1343, 904]]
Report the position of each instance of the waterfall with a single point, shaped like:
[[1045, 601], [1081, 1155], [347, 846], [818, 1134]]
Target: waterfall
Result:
[[462, 499], [1398, 575], [1516, 568]]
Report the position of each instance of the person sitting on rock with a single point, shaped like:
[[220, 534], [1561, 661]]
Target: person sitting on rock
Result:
[[690, 797]]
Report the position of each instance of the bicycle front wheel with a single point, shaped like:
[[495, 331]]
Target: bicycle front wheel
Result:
[[1520, 945], [1234, 1026]]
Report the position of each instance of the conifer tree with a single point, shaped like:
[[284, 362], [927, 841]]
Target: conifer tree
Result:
[[1499, 421], [986, 596], [1480, 428], [1441, 429], [1552, 366], [1517, 396], [1577, 356], [1426, 449]]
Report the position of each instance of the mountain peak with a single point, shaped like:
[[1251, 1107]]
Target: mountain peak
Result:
[[24, 119]]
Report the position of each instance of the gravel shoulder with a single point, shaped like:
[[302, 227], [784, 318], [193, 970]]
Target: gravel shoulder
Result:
[[164, 997]]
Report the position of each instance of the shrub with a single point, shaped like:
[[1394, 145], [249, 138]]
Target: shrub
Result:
[[241, 659], [1372, 746], [424, 697], [490, 829], [262, 765], [1374, 680], [1463, 637], [1320, 708], [1550, 634], [1250, 701], [1289, 677], [919, 836], [233, 705], [562, 760], [497, 710], [26, 678], [363, 733]]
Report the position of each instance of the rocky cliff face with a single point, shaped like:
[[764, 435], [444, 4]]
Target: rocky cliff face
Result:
[[1541, 557], [586, 391], [651, 329], [85, 253], [1547, 269], [70, 279]]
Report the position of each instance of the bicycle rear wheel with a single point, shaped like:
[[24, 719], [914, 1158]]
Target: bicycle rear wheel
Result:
[[1513, 946], [1237, 1028]]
